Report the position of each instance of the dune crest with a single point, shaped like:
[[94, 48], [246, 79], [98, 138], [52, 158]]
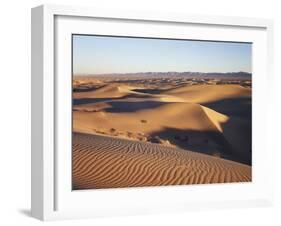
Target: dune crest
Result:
[[216, 117]]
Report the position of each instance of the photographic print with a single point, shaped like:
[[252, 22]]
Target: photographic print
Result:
[[155, 112]]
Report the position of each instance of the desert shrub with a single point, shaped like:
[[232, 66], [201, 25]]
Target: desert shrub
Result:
[[155, 139], [142, 138], [217, 154], [129, 134], [112, 130]]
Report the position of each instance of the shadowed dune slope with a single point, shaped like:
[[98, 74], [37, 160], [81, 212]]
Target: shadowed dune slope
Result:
[[106, 162]]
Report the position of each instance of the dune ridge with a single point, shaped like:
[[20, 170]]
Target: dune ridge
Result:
[[208, 93], [113, 90]]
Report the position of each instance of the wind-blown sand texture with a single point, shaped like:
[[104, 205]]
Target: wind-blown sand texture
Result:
[[105, 162], [143, 133]]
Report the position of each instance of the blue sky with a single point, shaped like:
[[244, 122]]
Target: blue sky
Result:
[[101, 54]]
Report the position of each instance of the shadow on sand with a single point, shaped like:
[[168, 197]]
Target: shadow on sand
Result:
[[126, 98], [86, 89], [239, 107], [233, 144], [132, 106]]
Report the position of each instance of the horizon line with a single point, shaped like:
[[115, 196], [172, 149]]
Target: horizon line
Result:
[[159, 72]]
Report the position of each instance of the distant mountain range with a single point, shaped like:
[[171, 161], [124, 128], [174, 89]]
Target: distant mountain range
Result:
[[219, 75]]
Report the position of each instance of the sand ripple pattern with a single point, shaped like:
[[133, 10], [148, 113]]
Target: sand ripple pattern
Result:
[[108, 162]]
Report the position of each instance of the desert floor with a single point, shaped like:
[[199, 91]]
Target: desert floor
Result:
[[160, 131]]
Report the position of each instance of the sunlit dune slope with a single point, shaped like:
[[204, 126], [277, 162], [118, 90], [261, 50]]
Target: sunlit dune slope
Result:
[[186, 125], [209, 93], [157, 115]]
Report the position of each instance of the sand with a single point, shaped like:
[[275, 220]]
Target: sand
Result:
[[208, 93], [105, 162], [130, 134]]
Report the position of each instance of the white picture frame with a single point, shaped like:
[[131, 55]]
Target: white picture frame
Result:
[[52, 197]]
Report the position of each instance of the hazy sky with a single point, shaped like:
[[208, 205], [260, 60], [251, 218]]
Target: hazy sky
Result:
[[100, 54]]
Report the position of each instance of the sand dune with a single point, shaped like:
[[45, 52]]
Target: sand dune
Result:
[[209, 93], [185, 125], [104, 162], [113, 90], [128, 115], [145, 133], [177, 119]]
